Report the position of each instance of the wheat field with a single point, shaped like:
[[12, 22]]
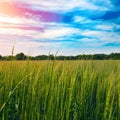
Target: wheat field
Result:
[[60, 90]]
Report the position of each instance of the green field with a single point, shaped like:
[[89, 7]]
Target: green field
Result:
[[60, 90]]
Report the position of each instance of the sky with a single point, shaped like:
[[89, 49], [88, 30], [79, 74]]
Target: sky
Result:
[[69, 27]]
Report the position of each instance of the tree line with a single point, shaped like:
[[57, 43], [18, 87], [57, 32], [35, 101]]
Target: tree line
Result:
[[22, 56]]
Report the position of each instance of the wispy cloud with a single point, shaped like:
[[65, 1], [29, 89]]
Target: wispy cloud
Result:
[[62, 5]]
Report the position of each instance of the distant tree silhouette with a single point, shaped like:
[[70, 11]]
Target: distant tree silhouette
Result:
[[60, 58], [51, 57], [40, 57], [20, 56], [114, 56], [10, 57], [0, 57]]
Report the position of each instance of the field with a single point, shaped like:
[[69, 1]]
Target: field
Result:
[[60, 90]]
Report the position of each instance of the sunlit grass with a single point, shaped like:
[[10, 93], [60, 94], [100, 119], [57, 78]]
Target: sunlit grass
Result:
[[60, 90]]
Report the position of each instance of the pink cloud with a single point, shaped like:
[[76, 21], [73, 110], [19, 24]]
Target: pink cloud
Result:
[[13, 9], [24, 27]]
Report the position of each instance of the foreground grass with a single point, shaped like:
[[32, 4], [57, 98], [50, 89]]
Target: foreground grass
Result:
[[60, 90]]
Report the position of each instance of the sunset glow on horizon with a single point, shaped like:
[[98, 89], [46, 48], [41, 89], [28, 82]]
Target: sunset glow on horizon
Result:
[[74, 27]]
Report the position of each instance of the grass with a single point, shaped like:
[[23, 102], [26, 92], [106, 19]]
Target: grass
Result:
[[60, 90]]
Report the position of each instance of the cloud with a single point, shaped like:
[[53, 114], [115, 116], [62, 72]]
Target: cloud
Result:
[[74, 26], [56, 33], [108, 27], [103, 36], [103, 3], [62, 5]]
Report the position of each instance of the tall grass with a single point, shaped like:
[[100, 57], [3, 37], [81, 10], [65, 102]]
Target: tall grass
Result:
[[60, 90]]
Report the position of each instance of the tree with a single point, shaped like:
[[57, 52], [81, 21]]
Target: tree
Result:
[[9, 57], [20, 56], [60, 57], [0, 57], [41, 57], [51, 57], [114, 56]]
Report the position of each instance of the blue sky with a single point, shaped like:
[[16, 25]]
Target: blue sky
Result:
[[72, 27]]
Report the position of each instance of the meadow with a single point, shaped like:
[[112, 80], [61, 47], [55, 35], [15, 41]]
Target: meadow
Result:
[[60, 90]]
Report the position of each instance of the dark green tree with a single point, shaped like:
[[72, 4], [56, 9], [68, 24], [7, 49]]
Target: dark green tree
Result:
[[9, 58], [114, 56], [51, 57], [20, 56], [60, 57], [0, 57], [41, 57]]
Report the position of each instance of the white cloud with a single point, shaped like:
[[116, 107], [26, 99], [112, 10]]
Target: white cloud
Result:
[[108, 26], [62, 5], [12, 26], [105, 27], [21, 46], [16, 31], [103, 36], [18, 20], [79, 19], [56, 33]]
